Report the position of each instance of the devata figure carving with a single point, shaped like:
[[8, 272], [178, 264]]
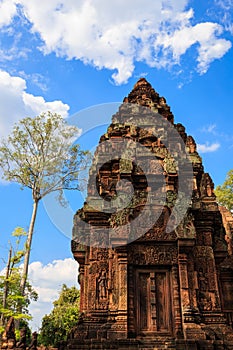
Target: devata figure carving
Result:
[[102, 284]]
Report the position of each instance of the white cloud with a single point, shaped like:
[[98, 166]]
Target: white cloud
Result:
[[47, 280], [37, 79], [211, 129], [203, 34], [116, 34], [37, 104], [210, 48], [225, 13], [16, 102], [206, 148], [7, 11], [225, 4]]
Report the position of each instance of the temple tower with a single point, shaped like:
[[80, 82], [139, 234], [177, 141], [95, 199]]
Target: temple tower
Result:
[[144, 286]]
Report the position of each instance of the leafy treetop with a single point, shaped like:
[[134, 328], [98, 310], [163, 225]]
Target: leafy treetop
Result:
[[224, 192], [40, 155], [57, 325]]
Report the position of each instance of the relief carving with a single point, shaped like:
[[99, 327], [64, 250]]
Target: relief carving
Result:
[[186, 228], [102, 286], [141, 255], [155, 167], [158, 234], [205, 302], [207, 186], [184, 276], [158, 231], [203, 280]]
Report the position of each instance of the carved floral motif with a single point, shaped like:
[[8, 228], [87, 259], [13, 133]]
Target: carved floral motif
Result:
[[142, 255]]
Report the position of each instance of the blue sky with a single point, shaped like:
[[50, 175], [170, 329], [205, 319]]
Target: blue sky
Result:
[[66, 56]]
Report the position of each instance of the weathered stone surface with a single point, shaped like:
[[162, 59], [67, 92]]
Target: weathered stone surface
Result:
[[164, 290]]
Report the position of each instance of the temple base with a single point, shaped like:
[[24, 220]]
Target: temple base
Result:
[[201, 337]]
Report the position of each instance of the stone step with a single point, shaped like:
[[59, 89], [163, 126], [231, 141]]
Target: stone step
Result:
[[125, 345], [157, 344]]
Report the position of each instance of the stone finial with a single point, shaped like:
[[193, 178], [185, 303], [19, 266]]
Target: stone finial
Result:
[[144, 95], [191, 144], [207, 186], [142, 82], [162, 101]]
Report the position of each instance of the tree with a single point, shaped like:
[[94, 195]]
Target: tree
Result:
[[64, 316], [40, 155], [224, 192], [12, 303]]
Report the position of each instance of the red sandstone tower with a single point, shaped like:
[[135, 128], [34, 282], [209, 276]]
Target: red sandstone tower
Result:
[[159, 289]]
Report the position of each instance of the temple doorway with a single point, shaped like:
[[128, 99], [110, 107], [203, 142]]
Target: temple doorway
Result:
[[153, 306]]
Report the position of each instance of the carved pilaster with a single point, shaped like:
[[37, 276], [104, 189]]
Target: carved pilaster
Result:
[[122, 266], [183, 274], [79, 252], [208, 291], [131, 313], [119, 328], [189, 315], [176, 303]]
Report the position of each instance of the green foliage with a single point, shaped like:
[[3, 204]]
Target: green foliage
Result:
[[12, 303], [14, 298], [24, 324], [224, 192], [20, 247], [39, 155], [57, 325]]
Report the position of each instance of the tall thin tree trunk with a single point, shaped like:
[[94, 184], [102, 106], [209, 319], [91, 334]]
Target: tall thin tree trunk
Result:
[[6, 282], [28, 247]]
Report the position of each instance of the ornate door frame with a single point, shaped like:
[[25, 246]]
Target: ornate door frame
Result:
[[151, 300]]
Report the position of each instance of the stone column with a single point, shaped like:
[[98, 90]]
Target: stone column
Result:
[[119, 329]]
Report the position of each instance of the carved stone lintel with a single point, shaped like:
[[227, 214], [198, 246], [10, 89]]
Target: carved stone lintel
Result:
[[153, 254]]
